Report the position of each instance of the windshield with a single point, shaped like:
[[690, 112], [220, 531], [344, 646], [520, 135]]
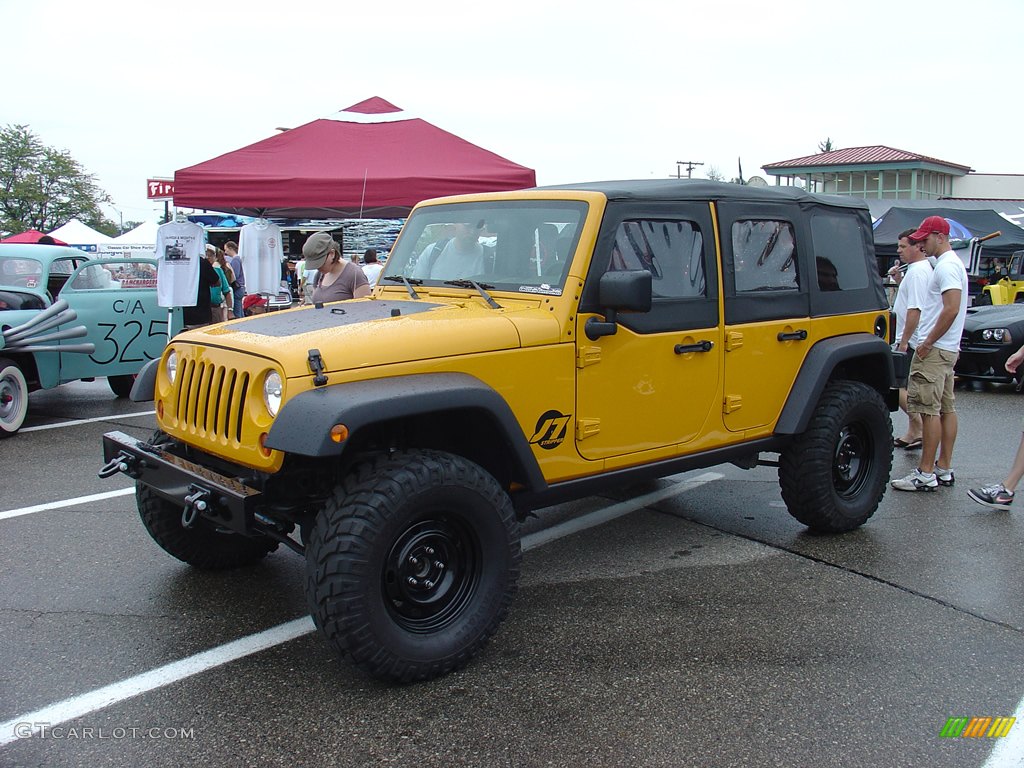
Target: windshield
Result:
[[523, 246], [22, 272]]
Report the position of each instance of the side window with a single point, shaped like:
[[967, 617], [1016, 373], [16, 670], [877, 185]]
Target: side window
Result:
[[838, 252], [764, 254], [672, 251], [60, 271], [115, 276]]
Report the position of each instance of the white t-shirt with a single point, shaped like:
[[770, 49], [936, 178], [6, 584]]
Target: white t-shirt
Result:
[[452, 263], [912, 294], [372, 272], [261, 252], [949, 274], [179, 247]]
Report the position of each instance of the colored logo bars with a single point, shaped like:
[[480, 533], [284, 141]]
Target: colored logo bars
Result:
[[977, 727]]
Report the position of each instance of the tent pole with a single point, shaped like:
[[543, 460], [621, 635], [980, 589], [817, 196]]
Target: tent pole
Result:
[[363, 198]]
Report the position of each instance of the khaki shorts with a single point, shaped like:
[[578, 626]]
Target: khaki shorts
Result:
[[930, 387]]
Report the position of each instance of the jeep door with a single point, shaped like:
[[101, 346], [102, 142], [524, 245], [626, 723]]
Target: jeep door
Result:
[[767, 309], [654, 382], [115, 299]]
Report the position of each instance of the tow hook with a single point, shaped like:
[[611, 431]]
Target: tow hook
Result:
[[196, 502], [123, 462]]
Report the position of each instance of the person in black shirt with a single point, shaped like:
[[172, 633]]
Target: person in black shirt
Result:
[[202, 313]]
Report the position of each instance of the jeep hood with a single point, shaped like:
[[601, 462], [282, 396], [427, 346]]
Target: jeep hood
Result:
[[370, 332]]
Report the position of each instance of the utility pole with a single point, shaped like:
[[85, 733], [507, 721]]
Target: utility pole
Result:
[[690, 165]]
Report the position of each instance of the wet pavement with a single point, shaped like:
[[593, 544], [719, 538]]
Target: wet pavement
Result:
[[705, 628]]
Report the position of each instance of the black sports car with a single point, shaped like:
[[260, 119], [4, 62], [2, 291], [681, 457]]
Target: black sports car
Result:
[[991, 334]]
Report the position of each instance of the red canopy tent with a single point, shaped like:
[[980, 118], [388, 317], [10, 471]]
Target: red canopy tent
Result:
[[29, 236], [370, 159]]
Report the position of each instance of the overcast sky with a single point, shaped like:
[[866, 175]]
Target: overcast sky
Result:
[[580, 91]]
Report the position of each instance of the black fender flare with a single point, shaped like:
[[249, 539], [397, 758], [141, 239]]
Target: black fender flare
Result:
[[821, 360], [303, 425], [144, 388]]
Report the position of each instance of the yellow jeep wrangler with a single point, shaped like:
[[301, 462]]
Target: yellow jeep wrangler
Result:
[[520, 350], [1009, 289]]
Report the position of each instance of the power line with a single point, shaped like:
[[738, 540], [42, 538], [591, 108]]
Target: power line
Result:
[[690, 165]]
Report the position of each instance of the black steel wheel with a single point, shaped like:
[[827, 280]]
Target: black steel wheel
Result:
[[432, 573], [833, 476], [851, 462], [413, 563]]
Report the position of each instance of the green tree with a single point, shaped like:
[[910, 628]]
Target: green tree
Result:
[[826, 145], [42, 187]]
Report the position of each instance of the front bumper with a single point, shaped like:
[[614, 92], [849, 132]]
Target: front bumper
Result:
[[201, 492], [985, 363]]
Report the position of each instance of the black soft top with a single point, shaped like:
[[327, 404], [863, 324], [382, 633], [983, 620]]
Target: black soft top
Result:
[[690, 189]]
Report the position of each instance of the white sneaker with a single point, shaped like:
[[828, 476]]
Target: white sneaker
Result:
[[944, 476], [916, 481]]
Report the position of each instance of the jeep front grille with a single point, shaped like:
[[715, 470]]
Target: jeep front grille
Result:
[[211, 400]]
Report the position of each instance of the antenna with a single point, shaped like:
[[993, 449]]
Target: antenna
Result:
[[690, 165]]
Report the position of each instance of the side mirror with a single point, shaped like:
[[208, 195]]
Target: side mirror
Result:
[[628, 291]]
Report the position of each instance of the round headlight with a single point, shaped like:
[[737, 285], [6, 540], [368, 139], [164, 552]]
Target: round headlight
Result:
[[998, 333], [272, 389], [986, 335], [171, 365]]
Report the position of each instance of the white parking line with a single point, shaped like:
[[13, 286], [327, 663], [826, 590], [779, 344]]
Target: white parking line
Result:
[[66, 503], [33, 722], [76, 422], [1009, 750], [77, 706]]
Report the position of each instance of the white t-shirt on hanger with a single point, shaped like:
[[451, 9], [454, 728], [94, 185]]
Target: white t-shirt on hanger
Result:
[[261, 252], [179, 247]]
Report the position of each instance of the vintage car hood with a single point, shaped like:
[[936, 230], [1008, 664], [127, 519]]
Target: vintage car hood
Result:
[[371, 332], [1000, 316]]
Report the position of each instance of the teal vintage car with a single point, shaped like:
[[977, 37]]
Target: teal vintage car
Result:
[[67, 315]]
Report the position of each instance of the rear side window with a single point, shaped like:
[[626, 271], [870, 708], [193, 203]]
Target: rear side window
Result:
[[764, 256], [838, 252]]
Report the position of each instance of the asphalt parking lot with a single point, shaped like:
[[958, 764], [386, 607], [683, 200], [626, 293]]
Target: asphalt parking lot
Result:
[[698, 625]]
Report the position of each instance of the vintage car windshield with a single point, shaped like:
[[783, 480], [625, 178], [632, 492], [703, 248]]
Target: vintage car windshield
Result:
[[20, 271], [523, 246]]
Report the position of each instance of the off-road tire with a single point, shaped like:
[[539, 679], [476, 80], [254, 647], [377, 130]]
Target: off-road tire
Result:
[[13, 397], [121, 386], [412, 564], [984, 299], [202, 546], [834, 475]]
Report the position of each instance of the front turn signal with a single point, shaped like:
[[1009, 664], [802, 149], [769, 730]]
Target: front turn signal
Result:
[[339, 433]]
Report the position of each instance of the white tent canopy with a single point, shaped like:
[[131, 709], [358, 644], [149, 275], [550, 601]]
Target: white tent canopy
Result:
[[77, 233], [144, 234]]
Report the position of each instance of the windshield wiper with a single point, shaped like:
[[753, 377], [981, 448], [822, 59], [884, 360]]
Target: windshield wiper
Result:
[[408, 283], [480, 287]]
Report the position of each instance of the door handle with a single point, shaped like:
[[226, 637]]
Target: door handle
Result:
[[794, 336], [700, 346]]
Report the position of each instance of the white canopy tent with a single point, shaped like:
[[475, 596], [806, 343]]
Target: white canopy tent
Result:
[[144, 234], [79, 234]]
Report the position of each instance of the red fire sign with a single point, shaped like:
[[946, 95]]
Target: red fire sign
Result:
[[160, 189]]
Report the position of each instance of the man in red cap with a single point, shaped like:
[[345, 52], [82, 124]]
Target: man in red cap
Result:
[[930, 388]]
